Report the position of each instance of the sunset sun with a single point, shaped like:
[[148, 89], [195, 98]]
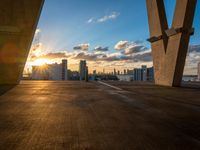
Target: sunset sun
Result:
[[40, 62]]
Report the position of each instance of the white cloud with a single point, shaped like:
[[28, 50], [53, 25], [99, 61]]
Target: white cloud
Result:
[[130, 47], [121, 45], [193, 58], [37, 31], [112, 16], [90, 20], [134, 48], [105, 18]]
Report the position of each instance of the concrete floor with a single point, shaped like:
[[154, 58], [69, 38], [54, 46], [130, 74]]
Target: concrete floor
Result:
[[95, 116]]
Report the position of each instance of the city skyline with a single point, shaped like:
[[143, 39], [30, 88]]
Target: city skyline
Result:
[[115, 36], [99, 74]]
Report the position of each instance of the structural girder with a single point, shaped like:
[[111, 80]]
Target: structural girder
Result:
[[18, 23], [170, 45]]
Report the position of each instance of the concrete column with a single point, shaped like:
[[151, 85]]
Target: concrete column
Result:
[[18, 23], [169, 46]]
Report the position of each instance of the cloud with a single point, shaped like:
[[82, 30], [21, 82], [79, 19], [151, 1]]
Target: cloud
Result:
[[36, 47], [83, 47], [37, 31], [145, 57], [194, 48], [193, 58], [89, 56], [130, 47], [90, 20], [112, 16], [139, 57], [101, 49], [134, 48], [51, 56], [105, 18], [132, 51], [121, 45]]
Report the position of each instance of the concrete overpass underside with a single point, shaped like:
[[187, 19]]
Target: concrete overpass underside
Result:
[[18, 23]]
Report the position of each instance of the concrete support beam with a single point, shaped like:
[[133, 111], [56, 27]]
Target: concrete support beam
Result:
[[18, 23], [169, 46]]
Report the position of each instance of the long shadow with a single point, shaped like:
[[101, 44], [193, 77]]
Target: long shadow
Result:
[[5, 88]]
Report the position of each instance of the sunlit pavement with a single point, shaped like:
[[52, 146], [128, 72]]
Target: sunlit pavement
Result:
[[95, 116]]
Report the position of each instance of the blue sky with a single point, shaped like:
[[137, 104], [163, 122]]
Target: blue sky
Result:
[[65, 24]]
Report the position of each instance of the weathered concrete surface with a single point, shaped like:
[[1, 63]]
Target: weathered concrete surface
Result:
[[92, 116], [17, 27], [169, 51]]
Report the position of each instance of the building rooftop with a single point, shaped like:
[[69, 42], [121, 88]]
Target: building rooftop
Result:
[[116, 115]]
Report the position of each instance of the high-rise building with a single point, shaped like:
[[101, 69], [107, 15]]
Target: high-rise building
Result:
[[64, 70], [199, 71], [150, 74], [144, 74], [137, 74], [50, 71], [82, 69], [40, 72]]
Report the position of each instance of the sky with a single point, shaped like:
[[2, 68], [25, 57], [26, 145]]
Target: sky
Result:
[[107, 33]]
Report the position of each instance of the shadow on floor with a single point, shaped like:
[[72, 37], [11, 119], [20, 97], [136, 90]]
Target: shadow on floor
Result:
[[5, 88]]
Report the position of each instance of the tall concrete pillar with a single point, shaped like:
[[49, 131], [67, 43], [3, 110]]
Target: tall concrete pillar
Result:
[[18, 22], [170, 45]]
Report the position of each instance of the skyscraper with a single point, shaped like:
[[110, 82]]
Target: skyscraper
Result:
[[50, 71], [82, 69], [199, 71], [64, 69], [144, 73]]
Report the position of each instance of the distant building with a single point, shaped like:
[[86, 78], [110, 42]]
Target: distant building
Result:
[[143, 74], [125, 77], [40, 73], [199, 71], [82, 69], [64, 70], [137, 74], [150, 74], [130, 72], [50, 71], [73, 75], [125, 71], [118, 72], [94, 72], [190, 78], [115, 73]]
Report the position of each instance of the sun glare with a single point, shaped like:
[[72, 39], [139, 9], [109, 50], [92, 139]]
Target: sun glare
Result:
[[40, 62]]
